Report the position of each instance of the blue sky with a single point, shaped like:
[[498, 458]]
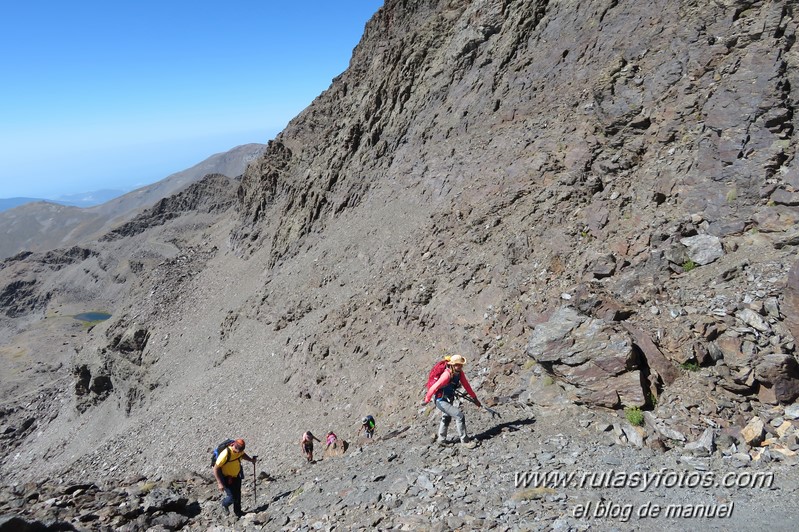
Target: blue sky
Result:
[[98, 95]]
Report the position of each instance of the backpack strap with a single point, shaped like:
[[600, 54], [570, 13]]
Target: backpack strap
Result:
[[227, 456]]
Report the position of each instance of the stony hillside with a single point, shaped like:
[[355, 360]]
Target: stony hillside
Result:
[[43, 226], [594, 202]]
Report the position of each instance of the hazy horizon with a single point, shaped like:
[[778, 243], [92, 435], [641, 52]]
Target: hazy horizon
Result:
[[133, 177], [119, 96]]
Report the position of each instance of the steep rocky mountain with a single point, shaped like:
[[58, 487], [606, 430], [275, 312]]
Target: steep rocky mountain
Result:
[[594, 202], [44, 226]]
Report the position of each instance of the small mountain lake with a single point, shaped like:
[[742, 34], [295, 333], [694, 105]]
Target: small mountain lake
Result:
[[92, 316]]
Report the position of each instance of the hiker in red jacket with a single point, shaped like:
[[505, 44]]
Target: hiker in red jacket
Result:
[[444, 392]]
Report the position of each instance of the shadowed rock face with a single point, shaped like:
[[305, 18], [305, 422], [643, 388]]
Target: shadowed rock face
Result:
[[590, 201]]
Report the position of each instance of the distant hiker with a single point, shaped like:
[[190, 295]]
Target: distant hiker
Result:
[[228, 473], [331, 440], [368, 426], [306, 443], [443, 389]]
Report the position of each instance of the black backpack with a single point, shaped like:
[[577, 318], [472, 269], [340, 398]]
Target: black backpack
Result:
[[219, 448]]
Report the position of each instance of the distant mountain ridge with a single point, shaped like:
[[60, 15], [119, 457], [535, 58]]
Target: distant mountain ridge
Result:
[[83, 199], [41, 225], [10, 203], [88, 199]]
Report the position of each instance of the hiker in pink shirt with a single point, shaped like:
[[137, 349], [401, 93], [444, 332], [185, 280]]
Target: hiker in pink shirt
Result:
[[444, 392], [331, 439]]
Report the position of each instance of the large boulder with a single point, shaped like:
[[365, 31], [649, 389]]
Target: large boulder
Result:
[[779, 373], [337, 449], [593, 356], [703, 249]]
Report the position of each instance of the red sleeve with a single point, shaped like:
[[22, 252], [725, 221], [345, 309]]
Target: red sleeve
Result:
[[467, 386], [442, 381]]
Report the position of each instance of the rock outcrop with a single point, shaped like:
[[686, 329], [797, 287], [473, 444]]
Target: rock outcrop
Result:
[[212, 194]]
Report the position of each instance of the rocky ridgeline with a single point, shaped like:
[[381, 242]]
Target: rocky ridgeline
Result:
[[403, 481], [213, 193]]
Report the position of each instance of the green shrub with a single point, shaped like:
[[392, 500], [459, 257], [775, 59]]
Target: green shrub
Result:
[[688, 265], [634, 415], [690, 365]]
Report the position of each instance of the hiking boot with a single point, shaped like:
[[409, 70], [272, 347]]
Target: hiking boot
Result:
[[469, 444]]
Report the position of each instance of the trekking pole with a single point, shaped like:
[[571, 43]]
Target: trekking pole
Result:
[[468, 397], [254, 485]]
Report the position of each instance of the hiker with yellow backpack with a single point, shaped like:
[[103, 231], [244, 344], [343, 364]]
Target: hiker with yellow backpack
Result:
[[442, 383], [228, 472]]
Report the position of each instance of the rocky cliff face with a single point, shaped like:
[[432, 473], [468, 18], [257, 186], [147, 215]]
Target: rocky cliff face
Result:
[[594, 197], [534, 155]]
